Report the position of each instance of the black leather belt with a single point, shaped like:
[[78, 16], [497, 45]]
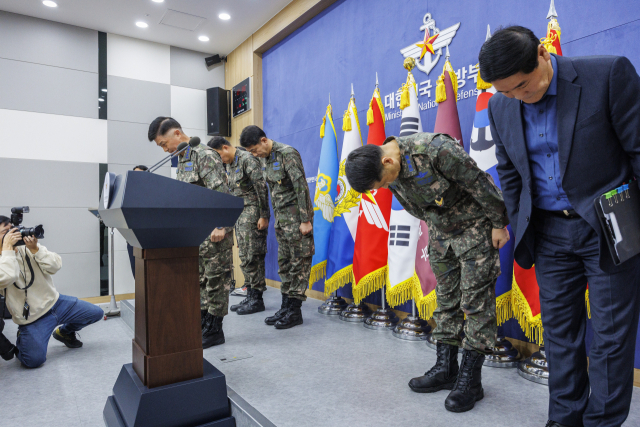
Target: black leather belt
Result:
[[567, 213]]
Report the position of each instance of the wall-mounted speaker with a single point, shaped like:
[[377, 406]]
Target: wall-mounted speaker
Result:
[[218, 112], [213, 60]]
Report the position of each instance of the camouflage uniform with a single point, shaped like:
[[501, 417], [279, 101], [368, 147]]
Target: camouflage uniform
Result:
[[246, 181], [292, 206], [440, 184], [203, 166]]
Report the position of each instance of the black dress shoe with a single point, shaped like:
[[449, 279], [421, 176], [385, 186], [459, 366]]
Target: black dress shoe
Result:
[[554, 424], [442, 376], [468, 387]]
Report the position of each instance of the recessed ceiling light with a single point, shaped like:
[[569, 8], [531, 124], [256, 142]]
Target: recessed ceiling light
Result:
[[104, 90], [224, 16], [49, 3], [158, 1], [100, 99], [203, 38], [142, 24]]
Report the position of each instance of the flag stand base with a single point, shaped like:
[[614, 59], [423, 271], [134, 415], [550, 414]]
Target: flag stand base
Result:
[[535, 368], [334, 305], [433, 344], [504, 355], [355, 313], [382, 319], [412, 328]]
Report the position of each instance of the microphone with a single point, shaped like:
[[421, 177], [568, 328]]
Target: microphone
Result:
[[193, 142]]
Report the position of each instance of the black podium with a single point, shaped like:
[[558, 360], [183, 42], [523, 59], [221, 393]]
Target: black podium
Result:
[[169, 383]]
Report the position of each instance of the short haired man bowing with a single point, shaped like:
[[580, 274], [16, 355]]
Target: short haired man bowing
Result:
[[202, 166], [284, 172], [435, 180]]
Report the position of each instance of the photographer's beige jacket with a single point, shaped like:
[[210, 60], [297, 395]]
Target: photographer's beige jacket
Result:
[[42, 295]]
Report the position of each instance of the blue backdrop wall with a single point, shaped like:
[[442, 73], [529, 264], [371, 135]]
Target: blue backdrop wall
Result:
[[353, 39]]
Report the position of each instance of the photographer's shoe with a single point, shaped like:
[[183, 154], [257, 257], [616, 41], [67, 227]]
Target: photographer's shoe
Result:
[[255, 304], [442, 376], [468, 387], [10, 354], [213, 334], [69, 340]]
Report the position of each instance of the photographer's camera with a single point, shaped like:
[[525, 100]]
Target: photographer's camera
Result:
[[16, 221]]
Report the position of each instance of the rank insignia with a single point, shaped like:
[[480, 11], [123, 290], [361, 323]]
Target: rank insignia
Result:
[[439, 201]]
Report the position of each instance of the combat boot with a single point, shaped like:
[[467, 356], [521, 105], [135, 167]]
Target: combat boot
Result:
[[203, 318], [468, 387], [213, 334], [442, 376], [243, 302], [292, 317], [280, 313], [254, 305]]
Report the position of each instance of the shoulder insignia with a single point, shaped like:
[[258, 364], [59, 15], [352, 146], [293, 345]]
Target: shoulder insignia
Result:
[[438, 140], [409, 162]]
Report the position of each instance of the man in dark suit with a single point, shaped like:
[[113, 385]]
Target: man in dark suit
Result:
[[567, 130]]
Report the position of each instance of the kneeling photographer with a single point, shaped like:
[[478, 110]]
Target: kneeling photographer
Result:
[[36, 306]]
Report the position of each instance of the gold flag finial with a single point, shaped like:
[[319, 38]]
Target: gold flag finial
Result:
[[409, 63]]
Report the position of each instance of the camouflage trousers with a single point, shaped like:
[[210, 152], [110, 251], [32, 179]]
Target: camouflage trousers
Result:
[[294, 259], [215, 267], [466, 286], [252, 247]]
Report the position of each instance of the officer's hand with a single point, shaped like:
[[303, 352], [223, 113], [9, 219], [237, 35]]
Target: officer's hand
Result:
[[263, 223], [500, 237], [32, 244], [306, 228], [10, 239], [217, 235]]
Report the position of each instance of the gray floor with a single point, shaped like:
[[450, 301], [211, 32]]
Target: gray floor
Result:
[[325, 373]]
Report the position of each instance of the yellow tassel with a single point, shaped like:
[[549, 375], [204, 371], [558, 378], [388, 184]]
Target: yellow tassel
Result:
[[504, 308], [531, 325], [346, 121], [370, 283], [481, 84], [324, 121], [405, 100], [370, 114], [426, 304], [402, 292], [318, 271], [547, 42], [338, 280], [454, 83], [586, 300], [441, 92]]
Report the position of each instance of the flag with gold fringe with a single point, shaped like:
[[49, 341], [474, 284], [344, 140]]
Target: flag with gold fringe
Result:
[[371, 250], [345, 215], [325, 195], [403, 282], [482, 149]]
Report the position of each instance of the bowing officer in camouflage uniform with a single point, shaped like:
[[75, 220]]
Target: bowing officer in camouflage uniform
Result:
[[435, 180], [246, 180], [202, 166], [283, 171]]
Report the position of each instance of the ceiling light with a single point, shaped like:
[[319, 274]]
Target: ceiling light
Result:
[[158, 1], [104, 90], [203, 38], [142, 24], [224, 16], [100, 99], [49, 3]]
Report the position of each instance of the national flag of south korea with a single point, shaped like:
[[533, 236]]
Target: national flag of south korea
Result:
[[403, 283]]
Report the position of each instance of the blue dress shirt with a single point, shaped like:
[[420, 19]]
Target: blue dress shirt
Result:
[[541, 137]]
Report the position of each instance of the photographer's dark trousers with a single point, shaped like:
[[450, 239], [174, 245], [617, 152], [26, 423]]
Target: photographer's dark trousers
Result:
[[566, 259], [70, 312]]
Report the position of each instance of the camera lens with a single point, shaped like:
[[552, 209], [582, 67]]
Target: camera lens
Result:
[[37, 232]]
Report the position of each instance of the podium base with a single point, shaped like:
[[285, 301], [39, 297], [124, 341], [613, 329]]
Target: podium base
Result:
[[201, 402], [334, 305]]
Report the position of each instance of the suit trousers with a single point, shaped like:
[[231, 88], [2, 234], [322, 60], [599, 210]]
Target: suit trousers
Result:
[[566, 259]]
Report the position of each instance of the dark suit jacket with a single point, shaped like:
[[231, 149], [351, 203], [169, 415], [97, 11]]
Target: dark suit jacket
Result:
[[598, 107]]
